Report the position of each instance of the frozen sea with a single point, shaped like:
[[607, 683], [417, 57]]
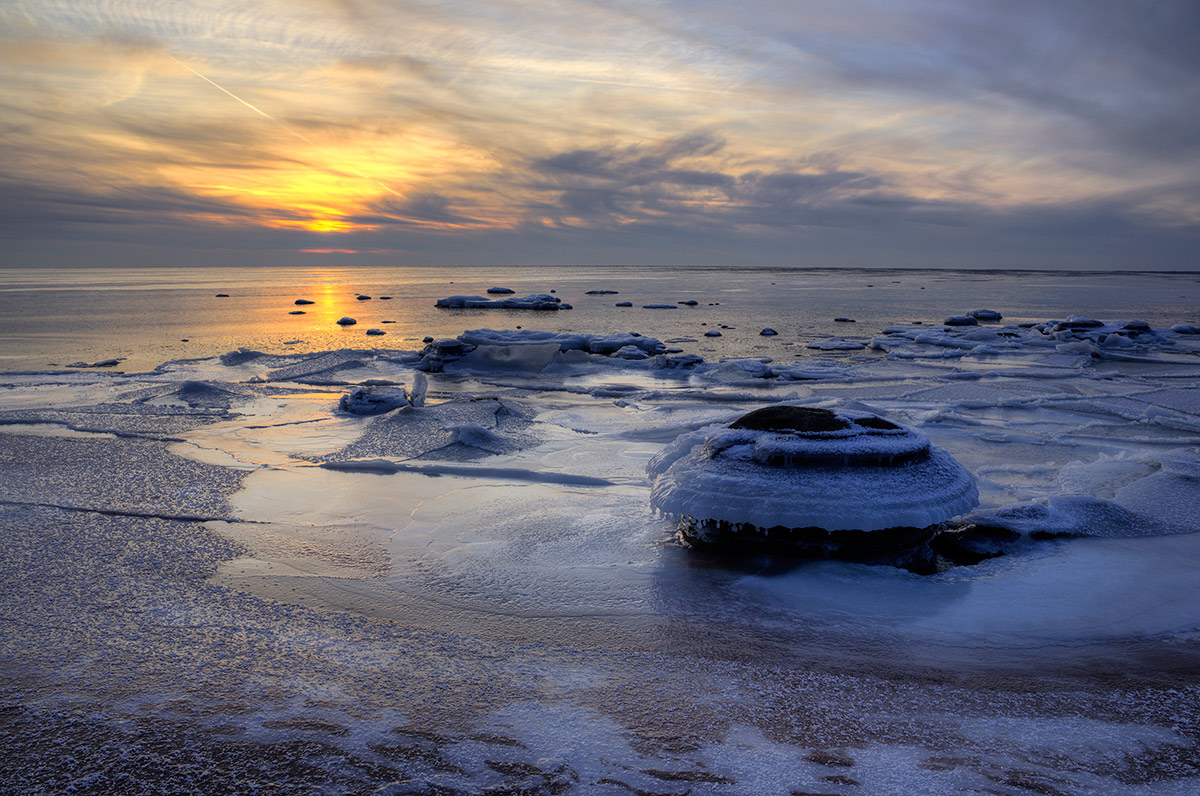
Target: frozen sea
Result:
[[215, 580]]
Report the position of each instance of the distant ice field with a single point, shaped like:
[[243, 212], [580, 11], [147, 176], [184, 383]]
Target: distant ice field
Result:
[[218, 574]]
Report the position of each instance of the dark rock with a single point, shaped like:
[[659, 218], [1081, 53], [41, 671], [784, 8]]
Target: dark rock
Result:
[[624, 304], [222, 295], [501, 291], [301, 302], [768, 332], [296, 312], [844, 320], [361, 297], [960, 320]]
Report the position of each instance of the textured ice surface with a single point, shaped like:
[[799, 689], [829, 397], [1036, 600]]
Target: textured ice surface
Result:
[[769, 479], [474, 595], [535, 301]]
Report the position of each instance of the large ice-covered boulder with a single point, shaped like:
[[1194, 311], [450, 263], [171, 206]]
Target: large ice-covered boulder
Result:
[[814, 482]]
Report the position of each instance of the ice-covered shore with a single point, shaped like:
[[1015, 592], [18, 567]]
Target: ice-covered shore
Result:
[[473, 595]]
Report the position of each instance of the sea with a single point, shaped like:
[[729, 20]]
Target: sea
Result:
[[248, 549]]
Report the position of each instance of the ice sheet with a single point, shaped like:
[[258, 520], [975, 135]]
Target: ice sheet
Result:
[[237, 555]]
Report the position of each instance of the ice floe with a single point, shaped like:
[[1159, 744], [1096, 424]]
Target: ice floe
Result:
[[536, 301]]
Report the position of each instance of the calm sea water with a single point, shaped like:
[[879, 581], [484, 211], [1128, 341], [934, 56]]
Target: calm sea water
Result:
[[55, 317]]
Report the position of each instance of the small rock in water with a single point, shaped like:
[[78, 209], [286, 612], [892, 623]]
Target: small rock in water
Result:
[[553, 291], [296, 312], [222, 295], [844, 320], [375, 332], [960, 320], [658, 306], [712, 333], [601, 293], [985, 315], [624, 304], [304, 301], [346, 321], [385, 298], [688, 303], [362, 297], [184, 340], [427, 340], [503, 291], [387, 321], [768, 332]]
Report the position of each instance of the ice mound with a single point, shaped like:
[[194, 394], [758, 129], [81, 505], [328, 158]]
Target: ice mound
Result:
[[194, 393], [815, 482], [535, 301], [986, 315], [373, 400], [531, 349]]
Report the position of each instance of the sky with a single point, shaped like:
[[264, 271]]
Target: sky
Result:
[[816, 133]]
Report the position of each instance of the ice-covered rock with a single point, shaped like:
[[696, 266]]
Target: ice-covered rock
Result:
[[960, 320], [501, 291], [531, 349], [373, 400], [986, 315], [346, 321], [536, 301], [1185, 328], [812, 482]]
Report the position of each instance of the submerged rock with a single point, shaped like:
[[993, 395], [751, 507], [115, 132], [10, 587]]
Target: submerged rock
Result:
[[814, 483]]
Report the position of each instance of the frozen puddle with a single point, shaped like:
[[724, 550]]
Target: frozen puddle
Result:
[[475, 596]]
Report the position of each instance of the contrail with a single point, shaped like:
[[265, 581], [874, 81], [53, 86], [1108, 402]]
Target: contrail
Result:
[[282, 124]]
